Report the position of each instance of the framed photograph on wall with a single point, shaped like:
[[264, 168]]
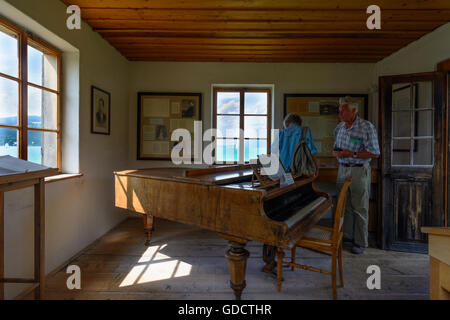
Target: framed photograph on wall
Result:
[[159, 114], [100, 111]]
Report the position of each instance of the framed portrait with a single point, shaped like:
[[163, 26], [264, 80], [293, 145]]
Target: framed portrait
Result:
[[320, 113], [100, 111], [159, 114]]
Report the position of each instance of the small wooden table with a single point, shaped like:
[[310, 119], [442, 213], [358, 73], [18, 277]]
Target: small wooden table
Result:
[[439, 251], [13, 181]]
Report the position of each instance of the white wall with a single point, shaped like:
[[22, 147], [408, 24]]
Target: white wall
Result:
[[199, 77], [421, 55], [81, 210]]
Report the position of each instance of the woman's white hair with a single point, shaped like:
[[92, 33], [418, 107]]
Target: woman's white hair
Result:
[[352, 104]]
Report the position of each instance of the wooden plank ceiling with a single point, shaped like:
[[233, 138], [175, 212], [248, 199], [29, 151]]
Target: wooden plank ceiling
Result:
[[260, 30]]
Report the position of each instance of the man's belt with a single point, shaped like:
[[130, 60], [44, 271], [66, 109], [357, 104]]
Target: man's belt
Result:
[[352, 164]]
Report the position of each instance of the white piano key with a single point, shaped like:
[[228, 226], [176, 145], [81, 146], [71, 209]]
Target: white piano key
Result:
[[304, 211]]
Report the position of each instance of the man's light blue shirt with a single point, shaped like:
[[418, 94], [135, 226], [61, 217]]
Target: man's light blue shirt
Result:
[[288, 139]]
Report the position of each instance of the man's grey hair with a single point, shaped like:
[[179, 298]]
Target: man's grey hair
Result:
[[352, 104], [292, 118]]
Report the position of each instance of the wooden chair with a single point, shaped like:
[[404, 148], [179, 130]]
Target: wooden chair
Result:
[[323, 240]]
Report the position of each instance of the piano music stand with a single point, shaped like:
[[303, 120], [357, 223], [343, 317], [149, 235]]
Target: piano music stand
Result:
[[265, 181], [18, 179]]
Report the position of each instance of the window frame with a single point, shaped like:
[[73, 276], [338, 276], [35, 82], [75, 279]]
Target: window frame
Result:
[[414, 137], [242, 114], [24, 39]]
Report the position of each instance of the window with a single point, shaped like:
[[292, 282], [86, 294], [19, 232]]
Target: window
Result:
[[29, 98], [412, 124], [242, 117]]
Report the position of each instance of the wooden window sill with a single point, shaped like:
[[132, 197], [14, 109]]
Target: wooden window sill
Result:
[[62, 177]]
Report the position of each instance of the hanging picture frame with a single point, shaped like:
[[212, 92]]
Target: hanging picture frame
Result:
[[100, 111], [159, 114]]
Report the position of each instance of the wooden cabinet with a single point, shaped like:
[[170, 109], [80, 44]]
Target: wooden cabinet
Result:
[[439, 251]]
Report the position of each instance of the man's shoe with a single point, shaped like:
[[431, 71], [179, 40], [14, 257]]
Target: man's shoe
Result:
[[271, 271], [357, 249]]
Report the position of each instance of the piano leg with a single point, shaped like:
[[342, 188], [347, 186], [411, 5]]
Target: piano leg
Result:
[[148, 228], [237, 264]]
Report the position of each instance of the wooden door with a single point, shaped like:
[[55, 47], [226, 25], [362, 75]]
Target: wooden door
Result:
[[444, 67], [447, 144], [412, 165]]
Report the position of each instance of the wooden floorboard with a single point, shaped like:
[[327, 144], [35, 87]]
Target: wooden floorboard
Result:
[[185, 262]]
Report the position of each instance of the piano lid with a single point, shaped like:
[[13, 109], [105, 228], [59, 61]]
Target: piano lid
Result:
[[220, 175], [231, 176]]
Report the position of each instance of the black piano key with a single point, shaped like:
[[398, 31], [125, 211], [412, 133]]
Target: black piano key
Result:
[[286, 205]]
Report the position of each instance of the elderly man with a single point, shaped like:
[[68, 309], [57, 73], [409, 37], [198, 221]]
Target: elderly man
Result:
[[356, 144]]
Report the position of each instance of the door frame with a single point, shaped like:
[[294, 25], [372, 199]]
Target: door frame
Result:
[[444, 67], [438, 218]]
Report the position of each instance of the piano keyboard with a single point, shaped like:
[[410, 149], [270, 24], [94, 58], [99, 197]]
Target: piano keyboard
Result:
[[304, 211]]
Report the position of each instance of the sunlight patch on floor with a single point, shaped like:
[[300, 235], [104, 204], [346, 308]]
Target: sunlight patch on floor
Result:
[[155, 266]]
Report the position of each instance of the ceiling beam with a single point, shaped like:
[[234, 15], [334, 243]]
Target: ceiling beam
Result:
[[259, 59], [257, 55], [275, 26], [261, 34], [258, 41], [204, 53], [260, 15], [261, 4], [249, 36], [251, 47]]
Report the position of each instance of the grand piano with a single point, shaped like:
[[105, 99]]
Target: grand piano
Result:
[[228, 201]]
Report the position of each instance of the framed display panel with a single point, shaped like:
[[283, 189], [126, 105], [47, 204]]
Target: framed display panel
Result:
[[159, 114], [320, 112]]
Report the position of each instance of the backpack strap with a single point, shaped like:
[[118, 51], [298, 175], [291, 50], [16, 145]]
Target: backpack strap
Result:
[[304, 133]]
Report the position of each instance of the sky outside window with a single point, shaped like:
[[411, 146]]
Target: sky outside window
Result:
[[9, 88], [9, 56], [35, 73]]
